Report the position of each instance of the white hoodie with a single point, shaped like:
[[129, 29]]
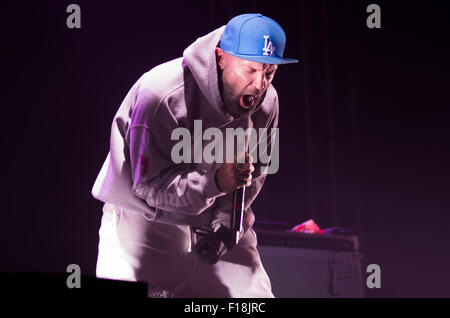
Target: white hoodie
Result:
[[139, 174]]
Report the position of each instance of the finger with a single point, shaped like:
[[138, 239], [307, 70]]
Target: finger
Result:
[[245, 178], [247, 184], [241, 184], [243, 166], [250, 169], [249, 158], [244, 174]]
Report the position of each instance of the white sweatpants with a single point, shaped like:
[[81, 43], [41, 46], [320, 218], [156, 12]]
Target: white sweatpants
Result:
[[134, 249]]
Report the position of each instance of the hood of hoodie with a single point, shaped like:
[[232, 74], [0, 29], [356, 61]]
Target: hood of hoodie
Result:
[[200, 58]]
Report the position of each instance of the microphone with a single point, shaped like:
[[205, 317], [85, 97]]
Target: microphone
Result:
[[237, 216], [238, 206]]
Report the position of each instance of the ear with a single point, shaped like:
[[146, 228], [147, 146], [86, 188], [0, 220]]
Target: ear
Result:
[[220, 57]]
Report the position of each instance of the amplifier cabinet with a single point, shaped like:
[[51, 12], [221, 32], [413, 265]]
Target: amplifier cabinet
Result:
[[311, 265]]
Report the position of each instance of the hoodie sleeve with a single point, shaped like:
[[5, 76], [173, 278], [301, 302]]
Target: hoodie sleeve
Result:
[[179, 188]]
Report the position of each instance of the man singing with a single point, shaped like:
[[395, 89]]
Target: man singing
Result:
[[166, 222]]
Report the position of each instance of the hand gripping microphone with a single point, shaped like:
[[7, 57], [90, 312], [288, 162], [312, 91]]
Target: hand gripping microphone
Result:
[[213, 245]]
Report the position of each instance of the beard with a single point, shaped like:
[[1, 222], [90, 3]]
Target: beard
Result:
[[231, 99], [231, 103]]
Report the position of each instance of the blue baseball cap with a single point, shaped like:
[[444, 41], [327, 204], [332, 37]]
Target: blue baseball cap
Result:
[[256, 38]]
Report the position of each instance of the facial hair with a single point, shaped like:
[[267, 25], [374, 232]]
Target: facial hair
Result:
[[231, 101]]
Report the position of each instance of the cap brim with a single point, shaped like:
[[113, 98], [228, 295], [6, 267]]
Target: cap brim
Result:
[[265, 59]]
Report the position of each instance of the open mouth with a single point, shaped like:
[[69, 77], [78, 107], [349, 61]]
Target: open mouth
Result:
[[247, 101]]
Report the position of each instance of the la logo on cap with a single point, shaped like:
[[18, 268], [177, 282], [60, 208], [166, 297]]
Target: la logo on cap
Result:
[[268, 48]]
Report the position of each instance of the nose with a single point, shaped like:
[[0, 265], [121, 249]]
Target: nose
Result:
[[260, 82]]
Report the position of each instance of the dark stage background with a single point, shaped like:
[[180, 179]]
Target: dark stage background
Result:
[[364, 124]]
